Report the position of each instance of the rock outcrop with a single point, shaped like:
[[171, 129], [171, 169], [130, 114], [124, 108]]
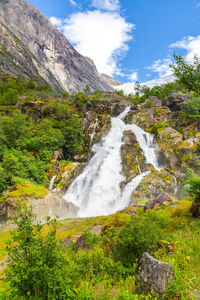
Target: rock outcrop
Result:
[[34, 47], [152, 275], [163, 198], [52, 205]]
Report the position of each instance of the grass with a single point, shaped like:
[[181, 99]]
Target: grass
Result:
[[181, 231]]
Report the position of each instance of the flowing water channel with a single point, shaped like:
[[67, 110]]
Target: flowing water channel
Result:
[[97, 190]]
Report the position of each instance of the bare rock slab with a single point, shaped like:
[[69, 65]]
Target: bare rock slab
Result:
[[152, 275]]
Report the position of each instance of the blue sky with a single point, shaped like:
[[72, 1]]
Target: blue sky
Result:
[[128, 39]]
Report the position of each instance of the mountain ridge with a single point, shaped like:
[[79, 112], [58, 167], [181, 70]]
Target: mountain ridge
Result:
[[71, 72]]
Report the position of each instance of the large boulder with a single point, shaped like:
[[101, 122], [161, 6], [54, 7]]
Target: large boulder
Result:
[[176, 102], [133, 161], [82, 244], [152, 275], [163, 198]]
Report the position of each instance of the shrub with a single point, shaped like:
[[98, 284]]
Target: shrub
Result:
[[140, 234], [36, 263], [4, 180], [192, 109], [148, 103], [120, 93]]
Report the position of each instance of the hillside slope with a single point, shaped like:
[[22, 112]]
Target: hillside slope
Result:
[[53, 57]]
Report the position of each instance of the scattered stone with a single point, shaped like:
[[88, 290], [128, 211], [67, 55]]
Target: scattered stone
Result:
[[163, 198], [155, 101], [152, 275], [66, 243], [96, 229], [129, 211], [81, 243], [176, 102]]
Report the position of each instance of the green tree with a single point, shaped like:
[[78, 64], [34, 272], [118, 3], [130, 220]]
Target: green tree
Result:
[[187, 74], [10, 164], [36, 262], [72, 131]]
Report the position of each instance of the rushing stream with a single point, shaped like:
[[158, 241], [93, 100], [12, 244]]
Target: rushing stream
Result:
[[97, 190]]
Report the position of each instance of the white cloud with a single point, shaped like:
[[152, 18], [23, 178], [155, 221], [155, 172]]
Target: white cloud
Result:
[[190, 44], [161, 66], [56, 22], [73, 3], [133, 76], [102, 36], [198, 4], [109, 5]]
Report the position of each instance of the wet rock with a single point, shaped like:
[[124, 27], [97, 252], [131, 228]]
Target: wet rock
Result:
[[67, 173], [163, 198], [176, 102], [152, 275], [133, 161], [195, 209], [152, 186], [81, 244], [169, 141], [146, 118], [101, 124]]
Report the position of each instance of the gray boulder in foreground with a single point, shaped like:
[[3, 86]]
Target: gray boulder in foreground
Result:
[[152, 275]]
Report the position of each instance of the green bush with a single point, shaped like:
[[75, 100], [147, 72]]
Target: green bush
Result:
[[4, 182], [148, 103], [45, 136], [140, 234], [36, 264], [192, 108]]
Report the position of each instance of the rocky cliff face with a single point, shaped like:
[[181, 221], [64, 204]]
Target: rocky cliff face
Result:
[[33, 47]]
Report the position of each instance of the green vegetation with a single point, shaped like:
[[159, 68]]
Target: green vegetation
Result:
[[33, 125], [187, 74], [39, 266], [36, 264], [143, 92]]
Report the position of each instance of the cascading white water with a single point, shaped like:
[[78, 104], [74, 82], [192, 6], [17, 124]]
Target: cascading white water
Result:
[[93, 132], [52, 182], [97, 190]]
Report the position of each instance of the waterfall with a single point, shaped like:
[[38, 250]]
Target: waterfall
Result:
[[52, 182], [97, 190], [93, 132]]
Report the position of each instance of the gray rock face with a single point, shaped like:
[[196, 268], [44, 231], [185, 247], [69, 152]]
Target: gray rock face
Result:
[[152, 275], [163, 198], [51, 53], [176, 102]]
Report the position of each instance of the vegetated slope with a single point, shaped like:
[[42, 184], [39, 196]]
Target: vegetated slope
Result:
[[55, 60]]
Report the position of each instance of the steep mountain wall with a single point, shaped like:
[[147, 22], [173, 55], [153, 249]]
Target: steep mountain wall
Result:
[[70, 70]]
